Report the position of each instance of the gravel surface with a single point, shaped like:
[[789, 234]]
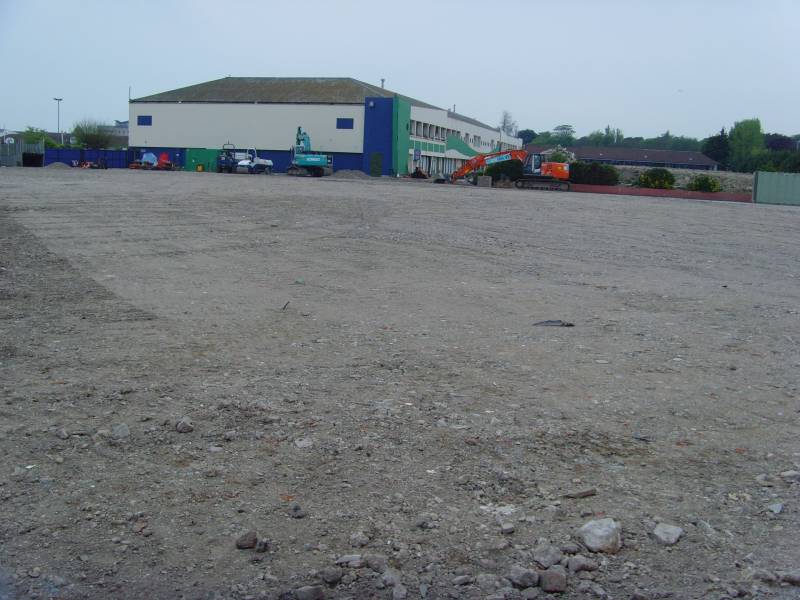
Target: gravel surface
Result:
[[344, 378]]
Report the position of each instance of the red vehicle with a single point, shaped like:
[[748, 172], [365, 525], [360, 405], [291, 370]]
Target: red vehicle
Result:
[[149, 162], [537, 174]]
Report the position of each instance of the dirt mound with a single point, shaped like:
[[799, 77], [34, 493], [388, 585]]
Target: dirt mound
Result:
[[350, 174], [57, 165]]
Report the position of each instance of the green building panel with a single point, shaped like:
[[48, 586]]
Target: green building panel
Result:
[[401, 115]]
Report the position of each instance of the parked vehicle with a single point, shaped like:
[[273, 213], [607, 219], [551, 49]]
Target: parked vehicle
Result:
[[537, 174], [231, 160], [305, 162]]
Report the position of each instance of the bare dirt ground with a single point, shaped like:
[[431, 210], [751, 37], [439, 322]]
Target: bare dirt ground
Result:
[[361, 370]]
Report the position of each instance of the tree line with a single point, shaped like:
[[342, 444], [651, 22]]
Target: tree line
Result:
[[745, 147]]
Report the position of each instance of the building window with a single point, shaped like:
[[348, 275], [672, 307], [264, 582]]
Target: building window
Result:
[[344, 123], [145, 120]]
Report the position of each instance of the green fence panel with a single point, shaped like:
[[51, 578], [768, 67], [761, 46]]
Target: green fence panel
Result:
[[205, 158], [777, 188]]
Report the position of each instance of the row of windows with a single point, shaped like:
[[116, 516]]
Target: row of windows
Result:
[[429, 131]]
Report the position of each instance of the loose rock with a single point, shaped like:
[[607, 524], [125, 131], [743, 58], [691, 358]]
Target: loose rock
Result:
[[602, 535], [546, 554], [791, 577], [310, 592], [579, 563], [247, 540], [667, 534], [400, 592], [522, 577], [297, 511], [553, 579], [359, 539], [184, 425], [120, 431], [507, 528], [331, 575], [776, 508], [262, 545], [462, 580]]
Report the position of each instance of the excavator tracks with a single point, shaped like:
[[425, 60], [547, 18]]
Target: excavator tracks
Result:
[[550, 185]]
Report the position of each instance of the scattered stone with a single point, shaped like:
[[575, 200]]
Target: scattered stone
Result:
[[506, 528], [184, 425], [262, 545], [354, 561], [462, 580], [667, 534], [247, 540], [304, 443], [399, 592], [586, 493], [359, 539], [602, 535], [522, 577], [791, 475], [331, 575], [230, 436], [570, 548], [310, 592], [390, 578], [488, 582], [530, 593], [765, 576], [62, 434], [791, 577], [215, 449], [637, 595], [120, 431], [297, 511], [546, 554], [553, 579], [579, 563], [376, 562], [776, 508]]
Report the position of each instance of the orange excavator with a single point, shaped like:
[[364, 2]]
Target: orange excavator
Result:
[[536, 173]]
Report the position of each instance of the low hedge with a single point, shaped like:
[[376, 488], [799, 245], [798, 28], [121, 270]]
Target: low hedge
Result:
[[593, 173], [509, 169], [658, 178], [704, 183]]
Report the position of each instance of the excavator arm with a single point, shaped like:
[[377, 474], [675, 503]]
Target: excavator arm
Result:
[[483, 160]]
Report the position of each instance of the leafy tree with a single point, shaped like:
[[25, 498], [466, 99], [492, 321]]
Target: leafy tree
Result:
[[747, 142], [717, 147], [34, 135], [91, 134], [507, 124], [777, 142], [527, 135]]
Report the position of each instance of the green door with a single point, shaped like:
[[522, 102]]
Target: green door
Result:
[[376, 164]]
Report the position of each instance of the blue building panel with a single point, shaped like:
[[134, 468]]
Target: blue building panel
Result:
[[378, 124]]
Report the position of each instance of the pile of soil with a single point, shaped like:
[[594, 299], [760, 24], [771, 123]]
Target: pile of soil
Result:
[[350, 174], [57, 165]]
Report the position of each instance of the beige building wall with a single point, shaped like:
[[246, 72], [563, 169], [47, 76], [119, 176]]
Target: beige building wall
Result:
[[261, 126]]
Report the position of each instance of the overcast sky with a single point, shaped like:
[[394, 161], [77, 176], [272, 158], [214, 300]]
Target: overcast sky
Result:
[[645, 66]]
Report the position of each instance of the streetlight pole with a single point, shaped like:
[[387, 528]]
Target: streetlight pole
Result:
[[58, 103]]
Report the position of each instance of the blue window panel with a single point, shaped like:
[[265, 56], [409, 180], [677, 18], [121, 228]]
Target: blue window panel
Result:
[[147, 120], [344, 123]]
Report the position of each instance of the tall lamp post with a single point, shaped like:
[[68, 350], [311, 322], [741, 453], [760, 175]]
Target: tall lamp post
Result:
[[58, 104]]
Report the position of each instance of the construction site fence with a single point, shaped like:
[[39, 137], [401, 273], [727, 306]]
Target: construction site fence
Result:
[[777, 188]]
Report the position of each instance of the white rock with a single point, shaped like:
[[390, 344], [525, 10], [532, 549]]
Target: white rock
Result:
[[667, 534], [602, 535], [776, 508]]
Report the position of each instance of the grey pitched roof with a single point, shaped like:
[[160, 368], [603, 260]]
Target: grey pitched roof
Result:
[[472, 121], [287, 90]]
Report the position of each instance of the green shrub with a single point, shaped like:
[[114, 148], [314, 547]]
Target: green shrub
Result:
[[558, 156], [704, 183], [509, 169], [593, 173], [657, 178]]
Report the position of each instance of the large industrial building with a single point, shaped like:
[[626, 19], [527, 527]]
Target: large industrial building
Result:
[[364, 127]]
